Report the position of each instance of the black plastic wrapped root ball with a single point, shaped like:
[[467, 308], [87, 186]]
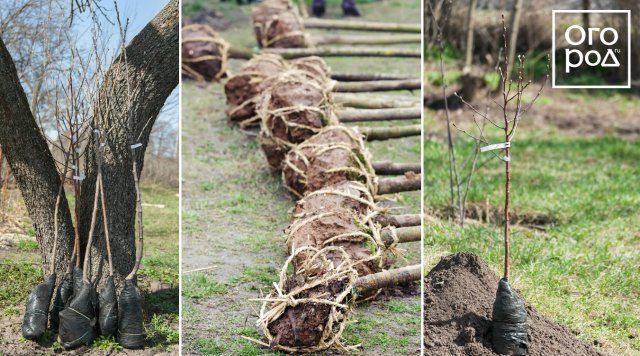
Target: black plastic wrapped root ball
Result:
[[36, 314], [62, 295], [78, 319], [509, 326], [130, 321], [108, 309]]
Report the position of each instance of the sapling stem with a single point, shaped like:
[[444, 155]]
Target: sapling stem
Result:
[[94, 213], [107, 237], [63, 176], [140, 245]]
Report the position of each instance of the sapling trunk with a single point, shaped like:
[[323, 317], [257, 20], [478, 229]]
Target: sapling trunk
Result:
[[378, 85], [387, 279], [362, 77], [364, 39], [140, 244], [403, 234], [94, 216], [361, 25], [399, 184], [366, 101], [291, 53], [360, 115], [386, 133], [402, 220], [392, 168]]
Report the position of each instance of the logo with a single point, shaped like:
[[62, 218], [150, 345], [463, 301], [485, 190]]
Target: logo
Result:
[[595, 53]]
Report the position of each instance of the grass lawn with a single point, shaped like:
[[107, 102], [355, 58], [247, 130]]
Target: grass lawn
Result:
[[581, 269], [20, 272]]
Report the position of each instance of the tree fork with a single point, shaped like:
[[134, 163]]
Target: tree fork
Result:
[[387, 279]]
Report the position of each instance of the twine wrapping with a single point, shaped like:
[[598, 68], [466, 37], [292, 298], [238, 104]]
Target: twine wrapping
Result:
[[205, 54]]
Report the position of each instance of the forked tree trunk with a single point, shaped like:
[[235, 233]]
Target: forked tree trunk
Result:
[[152, 68]]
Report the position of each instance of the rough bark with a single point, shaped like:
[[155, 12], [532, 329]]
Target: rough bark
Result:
[[32, 165], [152, 70]]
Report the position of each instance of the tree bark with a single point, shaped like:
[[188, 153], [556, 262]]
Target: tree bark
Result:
[[33, 166], [291, 53], [386, 133], [361, 101], [468, 58], [132, 94], [364, 77], [403, 220], [386, 279], [404, 234], [152, 68], [361, 25], [399, 184], [365, 40], [392, 168], [381, 85], [360, 115]]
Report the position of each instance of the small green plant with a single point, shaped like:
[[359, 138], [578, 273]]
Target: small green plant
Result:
[[198, 286], [209, 346], [161, 331], [108, 344], [27, 246]]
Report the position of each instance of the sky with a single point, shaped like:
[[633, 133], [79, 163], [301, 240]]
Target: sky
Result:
[[139, 13]]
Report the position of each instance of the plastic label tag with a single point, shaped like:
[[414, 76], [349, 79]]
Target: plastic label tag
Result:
[[495, 146]]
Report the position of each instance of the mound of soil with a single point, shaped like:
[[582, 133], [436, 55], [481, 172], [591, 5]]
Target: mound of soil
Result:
[[335, 154], [292, 109], [204, 53], [458, 299], [242, 88], [277, 24]]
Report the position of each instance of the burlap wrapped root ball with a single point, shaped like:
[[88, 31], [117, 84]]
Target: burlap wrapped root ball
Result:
[[291, 110], [309, 308], [335, 154], [243, 88], [277, 24], [319, 222], [205, 55]]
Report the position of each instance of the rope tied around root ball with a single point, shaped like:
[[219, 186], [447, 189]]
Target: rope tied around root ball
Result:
[[312, 160], [291, 110], [278, 24], [316, 283], [204, 51]]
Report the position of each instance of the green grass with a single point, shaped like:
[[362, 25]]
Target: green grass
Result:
[[198, 286], [161, 329], [107, 344], [27, 246], [262, 275], [582, 270], [17, 279]]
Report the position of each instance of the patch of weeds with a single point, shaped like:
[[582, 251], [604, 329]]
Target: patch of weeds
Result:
[[109, 344], [27, 246], [450, 54], [400, 306], [199, 286], [451, 77], [11, 311], [209, 346], [17, 278], [163, 268], [264, 275], [160, 331]]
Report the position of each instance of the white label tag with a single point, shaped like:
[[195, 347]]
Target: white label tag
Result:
[[133, 147], [80, 177], [495, 146]]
